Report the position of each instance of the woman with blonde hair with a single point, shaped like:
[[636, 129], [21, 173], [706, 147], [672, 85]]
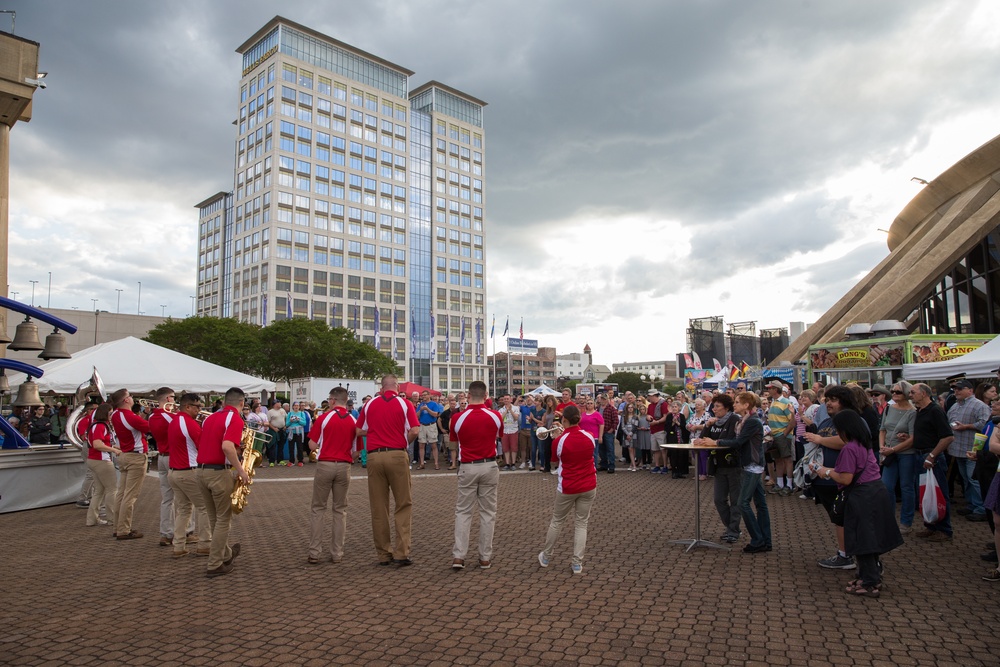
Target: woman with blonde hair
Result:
[[899, 460]]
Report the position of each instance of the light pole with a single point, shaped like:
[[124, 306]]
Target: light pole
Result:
[[192, 306], [48, 299], [138, 307], [163, 310], [14, 295], [33, 283], [94, 301], [119, 308]]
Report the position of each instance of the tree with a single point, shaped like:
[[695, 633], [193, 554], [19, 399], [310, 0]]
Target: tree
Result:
[[628, 381], [223, 341], [310, 348]]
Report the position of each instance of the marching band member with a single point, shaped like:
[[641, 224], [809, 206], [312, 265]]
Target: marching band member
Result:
[[99, 451], [476, 431], [183, 435], [131, 430], [87, 488], [218, 458], [332, 438], [390, 422], [159, 422]]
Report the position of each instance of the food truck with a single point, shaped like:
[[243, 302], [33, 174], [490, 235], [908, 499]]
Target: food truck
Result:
[[872, 361]]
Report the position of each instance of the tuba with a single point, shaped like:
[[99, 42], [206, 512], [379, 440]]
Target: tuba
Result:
[[250, 456], [87, 389]]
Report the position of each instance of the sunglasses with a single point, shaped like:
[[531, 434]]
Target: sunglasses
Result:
[[897, 391]]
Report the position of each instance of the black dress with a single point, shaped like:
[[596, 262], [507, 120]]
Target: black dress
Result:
[[676, 432]]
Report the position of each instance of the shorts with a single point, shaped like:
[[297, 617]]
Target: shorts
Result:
[[825, 493], [658, 439], [428, 434], [509, 442], [783, 445]]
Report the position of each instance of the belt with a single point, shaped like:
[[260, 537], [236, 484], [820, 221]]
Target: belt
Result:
[[469, 463], [179, 469], [386, 449], [214, 466], [162, 453]]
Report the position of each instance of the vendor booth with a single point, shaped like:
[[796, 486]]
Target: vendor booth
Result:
[[874, 361]]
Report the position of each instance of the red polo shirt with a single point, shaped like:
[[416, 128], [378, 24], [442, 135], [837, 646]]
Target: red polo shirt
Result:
[[226, 424], [574, 452], [184, 436], [387, 419], [334, 434], [563, 406], [476, 430], [100, 434], [131, 430], [158, 423], [84, 423]]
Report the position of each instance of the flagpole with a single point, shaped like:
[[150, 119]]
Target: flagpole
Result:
[[524, 370], [493, 338]]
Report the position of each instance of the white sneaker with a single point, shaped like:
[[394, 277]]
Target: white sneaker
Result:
[[555, 471], [531, 466], [521, 467], [542, 560], [577, 568]]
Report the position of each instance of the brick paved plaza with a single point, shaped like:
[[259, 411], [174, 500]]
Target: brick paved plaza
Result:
[[72, 595]]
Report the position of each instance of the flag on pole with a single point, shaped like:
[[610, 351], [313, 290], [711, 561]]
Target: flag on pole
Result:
[[462, 353], [288, 305], [734, 373], [744, 368], [413, 333], [479, 331], [263, 309], [522, 328], [377, 318], [687, 361], [493, 327], [716, 365], [447, 340], [432, 331], [395, 327], [697, 361], [506, 327]]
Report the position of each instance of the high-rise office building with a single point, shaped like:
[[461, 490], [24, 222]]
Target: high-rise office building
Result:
[[355, 201]]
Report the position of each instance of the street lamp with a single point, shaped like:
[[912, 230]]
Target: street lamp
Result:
[[651, 379], [48, 299], [119, 308], [163, 310], [138, 307], [14, 294], [94, 301], [192, 306], [33, 283]]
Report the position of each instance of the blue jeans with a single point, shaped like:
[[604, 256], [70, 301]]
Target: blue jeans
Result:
[[759, 526], [536, 450], [941, 474], [605, 451], [902, 469], [973, 494]]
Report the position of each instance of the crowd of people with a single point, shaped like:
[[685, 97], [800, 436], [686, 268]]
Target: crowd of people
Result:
[[850, 450]]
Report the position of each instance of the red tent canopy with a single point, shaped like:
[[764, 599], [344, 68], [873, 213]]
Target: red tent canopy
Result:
[[407, 388]]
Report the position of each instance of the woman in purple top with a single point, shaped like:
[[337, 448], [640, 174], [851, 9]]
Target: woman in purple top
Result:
[[870, 528]]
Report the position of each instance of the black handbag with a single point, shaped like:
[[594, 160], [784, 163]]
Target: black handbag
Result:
[[839, 507]]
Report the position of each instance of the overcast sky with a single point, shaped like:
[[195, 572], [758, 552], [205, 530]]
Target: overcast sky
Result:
[[646, 162]]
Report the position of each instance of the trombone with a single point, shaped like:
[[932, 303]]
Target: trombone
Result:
[[152, 404]]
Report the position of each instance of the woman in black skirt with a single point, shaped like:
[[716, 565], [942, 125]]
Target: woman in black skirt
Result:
[[677, 434], [870, 528]]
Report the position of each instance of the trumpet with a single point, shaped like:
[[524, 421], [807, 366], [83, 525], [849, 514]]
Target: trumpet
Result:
[[152, 404], [554, 432]]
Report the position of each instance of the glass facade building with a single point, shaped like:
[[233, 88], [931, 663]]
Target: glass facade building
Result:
[[352, 205]]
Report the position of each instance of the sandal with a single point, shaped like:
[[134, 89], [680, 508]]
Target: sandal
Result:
[[437, 467], [866, 591], [853, 585]]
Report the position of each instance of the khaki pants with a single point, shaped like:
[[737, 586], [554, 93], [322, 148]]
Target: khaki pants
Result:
[[390, 470], [476, 482], [579, 504], [217, 490], [166, 497], [331, 477], [103, 474], [188, 499], [132, 467]]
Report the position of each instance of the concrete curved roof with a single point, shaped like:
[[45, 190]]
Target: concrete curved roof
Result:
[[931, 234]]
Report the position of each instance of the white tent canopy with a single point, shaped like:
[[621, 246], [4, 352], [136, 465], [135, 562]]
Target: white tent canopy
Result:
[[141, 367], [980, 363], [544, 390]]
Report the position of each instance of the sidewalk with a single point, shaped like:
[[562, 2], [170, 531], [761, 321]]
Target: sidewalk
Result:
[[73, 595]]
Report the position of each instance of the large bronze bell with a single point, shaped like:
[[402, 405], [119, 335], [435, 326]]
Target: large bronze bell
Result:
[[26, 336], [4, 383], [27, 395], [55, 347]]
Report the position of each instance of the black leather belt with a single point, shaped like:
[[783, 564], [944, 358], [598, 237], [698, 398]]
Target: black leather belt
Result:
[[468, 463], [191, 468], [385, 449], [214, 466]]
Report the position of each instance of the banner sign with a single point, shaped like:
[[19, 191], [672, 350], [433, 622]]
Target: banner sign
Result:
[[522, 346]]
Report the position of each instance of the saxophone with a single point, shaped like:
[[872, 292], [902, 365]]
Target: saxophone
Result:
[[250, 457]]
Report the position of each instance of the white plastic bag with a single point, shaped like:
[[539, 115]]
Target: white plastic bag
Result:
[[932, 503]]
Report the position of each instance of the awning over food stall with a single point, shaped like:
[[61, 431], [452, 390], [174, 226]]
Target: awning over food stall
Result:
[[980, 362]]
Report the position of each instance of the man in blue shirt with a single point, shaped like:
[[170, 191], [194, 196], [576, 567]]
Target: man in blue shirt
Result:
[[527, 407], [427, 414]]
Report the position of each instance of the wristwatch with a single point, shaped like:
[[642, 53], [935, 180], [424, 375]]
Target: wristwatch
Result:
[[828, 471]]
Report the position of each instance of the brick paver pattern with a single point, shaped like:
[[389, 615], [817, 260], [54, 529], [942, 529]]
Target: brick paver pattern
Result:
[[640, 600]]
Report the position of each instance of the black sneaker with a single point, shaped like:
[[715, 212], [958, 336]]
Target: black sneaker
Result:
[[838, 562], [994, 575]]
